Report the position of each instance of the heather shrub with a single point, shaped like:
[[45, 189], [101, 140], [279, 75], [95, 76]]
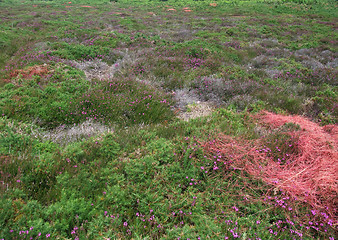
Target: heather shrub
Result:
[[39, 179], [27, 215], [74, 152], [107, 41], [12, 142], [281, 101], [220, 90], [75, 211], [197, 48], [109, 147], [312, 77], [238, 124], [85, 181], [162, 149], [74, 101], [46, 104], [325, 100], [166, 67], [242, 102], [46, 147], [302, 1], [129, 102], [81, 51]]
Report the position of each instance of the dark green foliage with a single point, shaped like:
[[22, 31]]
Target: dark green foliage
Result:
[[109, 147], [81, 52], [71, 99]]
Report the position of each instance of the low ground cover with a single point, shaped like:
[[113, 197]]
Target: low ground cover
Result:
[[168, 119]]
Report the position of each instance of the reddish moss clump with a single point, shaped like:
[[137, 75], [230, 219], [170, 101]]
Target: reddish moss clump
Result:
[[37, 70]]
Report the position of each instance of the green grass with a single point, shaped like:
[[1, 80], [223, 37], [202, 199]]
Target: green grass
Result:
[[90, 143]]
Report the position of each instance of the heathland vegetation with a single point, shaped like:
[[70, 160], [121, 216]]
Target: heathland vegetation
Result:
[[177, 119]]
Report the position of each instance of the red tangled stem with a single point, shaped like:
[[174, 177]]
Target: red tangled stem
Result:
[[310, 175]]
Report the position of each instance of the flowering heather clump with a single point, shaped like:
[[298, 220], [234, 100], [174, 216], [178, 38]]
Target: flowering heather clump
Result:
[[233, 44], [220, 90], [311, 77]]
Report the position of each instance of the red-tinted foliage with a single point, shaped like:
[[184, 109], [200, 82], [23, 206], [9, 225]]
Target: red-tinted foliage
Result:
[[39, 70], [310, 175]]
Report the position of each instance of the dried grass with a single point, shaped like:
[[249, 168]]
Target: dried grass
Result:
[[64, 134]]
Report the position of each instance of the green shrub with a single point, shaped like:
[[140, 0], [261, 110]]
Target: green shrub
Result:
[[109, 148], [79, 51], [14, 143]]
